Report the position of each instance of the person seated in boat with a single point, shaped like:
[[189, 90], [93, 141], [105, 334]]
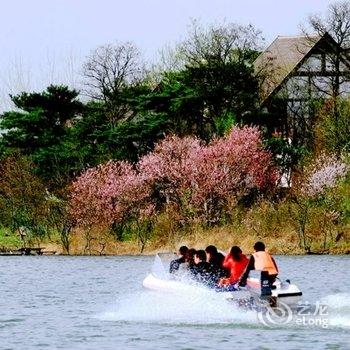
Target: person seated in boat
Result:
[[236, 262], [262, 261], [175, 264], [213, 256], [216, 259], [201, 270], [189, 259]]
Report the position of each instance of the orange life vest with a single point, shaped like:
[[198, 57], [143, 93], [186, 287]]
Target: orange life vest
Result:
[[264, 262]]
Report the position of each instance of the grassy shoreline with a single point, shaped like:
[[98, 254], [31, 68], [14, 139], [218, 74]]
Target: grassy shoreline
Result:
[[99, 243]]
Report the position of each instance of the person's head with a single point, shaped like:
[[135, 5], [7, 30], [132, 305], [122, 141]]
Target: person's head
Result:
[[199, 256], [211, 251], [236, 253], [189, 257], [259, 246], [183, 250]]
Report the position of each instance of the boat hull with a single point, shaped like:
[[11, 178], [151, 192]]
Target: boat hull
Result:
[[284, 292]]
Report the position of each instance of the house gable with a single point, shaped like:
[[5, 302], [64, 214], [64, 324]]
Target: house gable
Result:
[[294, 58]]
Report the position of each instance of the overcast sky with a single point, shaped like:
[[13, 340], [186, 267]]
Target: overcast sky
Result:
[[46, 41]]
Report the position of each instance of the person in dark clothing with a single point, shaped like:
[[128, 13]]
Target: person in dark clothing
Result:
[[175, 264], [216, 260], [201, 271], [213, 256], [264, 262], [189, 258]]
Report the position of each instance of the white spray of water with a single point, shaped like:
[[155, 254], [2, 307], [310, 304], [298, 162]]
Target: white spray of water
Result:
[[338, 308], [158, 268], [193, 304], [198, 305], [340, 302], [201, 307]]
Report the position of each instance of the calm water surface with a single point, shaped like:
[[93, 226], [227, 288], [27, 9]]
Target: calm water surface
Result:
[[98, 303]]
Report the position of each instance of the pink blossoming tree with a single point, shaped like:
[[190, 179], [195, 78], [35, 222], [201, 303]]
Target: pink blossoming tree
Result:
[[197, 180], [321, 175]]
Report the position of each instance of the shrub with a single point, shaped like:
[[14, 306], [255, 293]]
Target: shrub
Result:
[[22, 197]]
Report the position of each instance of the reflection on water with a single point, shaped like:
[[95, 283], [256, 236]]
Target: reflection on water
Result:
[[98, 302]]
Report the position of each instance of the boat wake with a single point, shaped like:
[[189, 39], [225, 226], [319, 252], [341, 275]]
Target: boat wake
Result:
[[199, 307], [191, 304], [338, 308], [194, 304], [204, 308]]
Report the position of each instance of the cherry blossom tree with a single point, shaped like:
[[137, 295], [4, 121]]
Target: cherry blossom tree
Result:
[[314, 191], [324, 173], [230, 168], [196, 179]]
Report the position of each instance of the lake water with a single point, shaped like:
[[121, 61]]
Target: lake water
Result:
[[99, 303]]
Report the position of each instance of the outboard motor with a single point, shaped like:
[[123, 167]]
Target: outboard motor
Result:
[[266, 290], [265, 284]]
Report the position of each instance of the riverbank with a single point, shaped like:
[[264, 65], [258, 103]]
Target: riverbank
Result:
[[101, 243], [283, 243]]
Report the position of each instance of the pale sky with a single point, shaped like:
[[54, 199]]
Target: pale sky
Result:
[[46, 41]]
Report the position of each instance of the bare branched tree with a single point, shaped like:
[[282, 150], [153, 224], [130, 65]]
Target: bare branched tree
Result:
[[221, 43], [110, 68], [108, 71], [336, 22], [336, 81]]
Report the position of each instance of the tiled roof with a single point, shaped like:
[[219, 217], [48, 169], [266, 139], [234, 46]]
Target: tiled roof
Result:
[[280, 59]]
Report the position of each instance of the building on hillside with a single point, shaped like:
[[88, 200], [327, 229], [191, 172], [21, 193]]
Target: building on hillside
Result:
[[295, 71]]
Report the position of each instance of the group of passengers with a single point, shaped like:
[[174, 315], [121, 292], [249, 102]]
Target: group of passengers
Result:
[[224, 273]]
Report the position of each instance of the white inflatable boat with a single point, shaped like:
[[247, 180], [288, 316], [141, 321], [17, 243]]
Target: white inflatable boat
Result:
[[159, 280]]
